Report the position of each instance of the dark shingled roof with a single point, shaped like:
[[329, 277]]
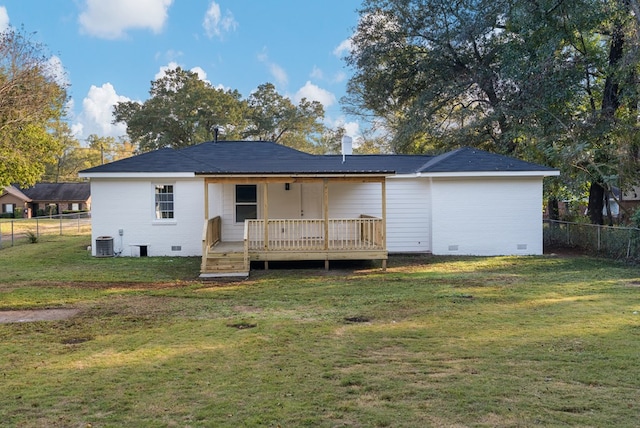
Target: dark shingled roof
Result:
[[262, 157], [467, 159], [59, 192]]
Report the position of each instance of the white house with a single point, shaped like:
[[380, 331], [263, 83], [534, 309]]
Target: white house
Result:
[[233, 202]]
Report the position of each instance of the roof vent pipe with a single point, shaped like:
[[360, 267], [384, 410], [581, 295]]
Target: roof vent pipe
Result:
[[215, 134], [347, 147]]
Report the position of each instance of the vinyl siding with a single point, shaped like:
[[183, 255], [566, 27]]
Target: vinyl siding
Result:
[[487, 217], [129, 205], [408, 215], [350, 200]]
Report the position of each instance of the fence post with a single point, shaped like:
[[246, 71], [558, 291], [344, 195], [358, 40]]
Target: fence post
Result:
[[12, 235], [60, 224], [37, 227]]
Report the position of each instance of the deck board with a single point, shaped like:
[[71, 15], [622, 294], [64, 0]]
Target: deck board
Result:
[[228, 247]]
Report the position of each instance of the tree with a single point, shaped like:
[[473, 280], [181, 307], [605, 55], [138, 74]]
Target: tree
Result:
[[103, 146], [371, 143], [329, 142], [69, 158], [550, 81], [73, 157], [620, 93], [273, 117], [31, 101], [429, 68], [182, 110]]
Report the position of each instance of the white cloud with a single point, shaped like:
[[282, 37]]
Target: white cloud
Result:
[[202, 75], [170, 55], [352, 129], [344, 48], [163, 69], [97, 113], [278, 73], [215, 24], [314, 93], [317, 73], [57, 71], [111, 19], [339, 77], [4, 18]]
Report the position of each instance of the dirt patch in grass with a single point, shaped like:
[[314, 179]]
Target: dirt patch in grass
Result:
[[564, 252], [37, 315]]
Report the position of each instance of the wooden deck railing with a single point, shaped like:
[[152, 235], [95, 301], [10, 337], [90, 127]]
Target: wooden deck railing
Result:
[[364, 233], [211, 233]]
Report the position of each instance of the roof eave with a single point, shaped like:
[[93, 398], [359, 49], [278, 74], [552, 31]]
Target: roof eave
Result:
[[136, 174], [298, 174], [465, 174]]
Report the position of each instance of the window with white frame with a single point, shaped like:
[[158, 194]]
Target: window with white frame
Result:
[[246, 202], [164, 208]]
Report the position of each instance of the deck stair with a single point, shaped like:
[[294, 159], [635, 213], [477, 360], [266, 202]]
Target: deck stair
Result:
[[225, 259], [221, 259]]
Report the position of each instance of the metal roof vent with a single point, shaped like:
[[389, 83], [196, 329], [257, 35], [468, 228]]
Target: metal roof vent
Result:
[[347, 147]]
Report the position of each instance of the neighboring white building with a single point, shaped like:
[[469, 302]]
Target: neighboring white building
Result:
[[464, 202]]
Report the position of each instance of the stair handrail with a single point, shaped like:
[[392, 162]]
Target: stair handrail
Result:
[[246, 246]]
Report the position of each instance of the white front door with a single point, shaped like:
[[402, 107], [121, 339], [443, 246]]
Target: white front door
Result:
[[311, 201]]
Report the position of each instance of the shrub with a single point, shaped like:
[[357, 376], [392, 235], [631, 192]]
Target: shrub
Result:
[[635, 218], [32, 237]]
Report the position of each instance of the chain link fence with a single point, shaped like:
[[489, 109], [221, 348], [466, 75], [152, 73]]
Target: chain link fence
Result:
[[21, 231], [616, 242]]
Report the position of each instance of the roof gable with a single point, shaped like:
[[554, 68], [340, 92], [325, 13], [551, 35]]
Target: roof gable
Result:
[[15, 192]]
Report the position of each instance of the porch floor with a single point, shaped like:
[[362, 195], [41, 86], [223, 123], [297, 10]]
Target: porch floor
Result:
[[225, 257]]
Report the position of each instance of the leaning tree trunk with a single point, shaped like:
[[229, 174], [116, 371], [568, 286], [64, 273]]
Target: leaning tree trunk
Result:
[[553, 208], [610, 103], [596, 203]]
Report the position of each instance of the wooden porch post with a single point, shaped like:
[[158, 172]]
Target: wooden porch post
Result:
[[383, 185], [206, 199], [265, 215], [325, 214]]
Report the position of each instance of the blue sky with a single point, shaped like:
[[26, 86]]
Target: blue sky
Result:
[[112, 50]]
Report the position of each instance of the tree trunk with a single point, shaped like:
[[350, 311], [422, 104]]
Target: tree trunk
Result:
[[611, 94], [607, 205], [610, 103], [596, 203], [552, 207]]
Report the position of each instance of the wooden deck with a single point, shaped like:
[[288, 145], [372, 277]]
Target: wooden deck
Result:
[[291, 240]]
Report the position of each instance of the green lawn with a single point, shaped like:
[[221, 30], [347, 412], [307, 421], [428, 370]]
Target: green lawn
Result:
[[506, 341]]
